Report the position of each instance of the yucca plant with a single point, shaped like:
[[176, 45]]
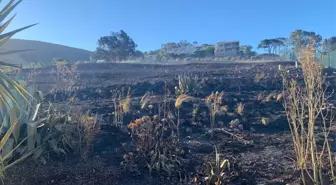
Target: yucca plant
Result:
[[11, 92], [216, 173]]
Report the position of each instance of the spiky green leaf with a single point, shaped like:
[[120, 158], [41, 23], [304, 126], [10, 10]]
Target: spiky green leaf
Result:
[[14, 51], [5, 37], [8, 9], [4, 26]]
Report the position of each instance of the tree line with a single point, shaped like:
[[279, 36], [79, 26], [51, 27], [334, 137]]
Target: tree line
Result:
[[120, 46]]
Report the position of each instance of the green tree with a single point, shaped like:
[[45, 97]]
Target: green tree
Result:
[[117, 46], [301, 39], [246, 51], [330, 44], [271, 45], [205, 51]]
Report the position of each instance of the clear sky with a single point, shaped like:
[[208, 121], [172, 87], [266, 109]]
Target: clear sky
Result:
[[79, 23]]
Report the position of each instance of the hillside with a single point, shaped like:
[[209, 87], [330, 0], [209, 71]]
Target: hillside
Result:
[[43, 52]]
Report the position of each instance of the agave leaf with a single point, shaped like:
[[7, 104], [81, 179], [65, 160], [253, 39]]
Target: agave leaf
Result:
[[18, 89], [38, 153], [7, 6], [5, 93], [4, 64], [19, 160], [4, 40], [3, 100], [14, 51], [8, 133], [14, 115], [224, 163], [4, 26], [5, 37], [7, 150], [8, 9]]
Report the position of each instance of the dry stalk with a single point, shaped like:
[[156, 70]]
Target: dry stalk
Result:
[[304, 106], [214, 102], [178, 103]]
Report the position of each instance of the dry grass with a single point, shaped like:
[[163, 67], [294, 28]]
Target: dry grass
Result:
[[260, 96], [258, 77], [145, 100], [178, 103], [265, 121], [240, 108], [182, 98], [304, 106], [214, 102]]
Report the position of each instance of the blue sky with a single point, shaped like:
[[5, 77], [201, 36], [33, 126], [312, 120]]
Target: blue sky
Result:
[[79, 23]]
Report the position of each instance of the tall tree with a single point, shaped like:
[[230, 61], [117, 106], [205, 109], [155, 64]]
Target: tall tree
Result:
[[117, 46], [265, 44], [330, 44], [271, 45], [301, 38], [246, 51]]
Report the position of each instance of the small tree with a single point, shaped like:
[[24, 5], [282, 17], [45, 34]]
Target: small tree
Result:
[[117, 46], [246, 51]]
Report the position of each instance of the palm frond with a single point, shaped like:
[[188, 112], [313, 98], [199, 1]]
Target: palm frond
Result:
[[5, 64], [8, 9], [14, 51], [5, 37], [4, 26]]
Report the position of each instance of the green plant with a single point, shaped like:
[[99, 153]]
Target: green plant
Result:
[[216, 173], [187, 85]]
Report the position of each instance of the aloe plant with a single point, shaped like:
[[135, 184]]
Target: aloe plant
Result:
[[12, 96]]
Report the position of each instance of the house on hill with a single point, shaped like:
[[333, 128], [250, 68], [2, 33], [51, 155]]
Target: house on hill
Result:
[[224, 49]]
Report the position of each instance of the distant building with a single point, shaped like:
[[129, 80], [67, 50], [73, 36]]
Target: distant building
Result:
[[100, 61], [223, 49]]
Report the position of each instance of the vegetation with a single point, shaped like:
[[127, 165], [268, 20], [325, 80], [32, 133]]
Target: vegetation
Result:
[[155, 132], [305, 108], [117, 47]]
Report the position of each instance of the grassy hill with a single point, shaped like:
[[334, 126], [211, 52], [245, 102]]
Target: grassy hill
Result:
[[43, 52]]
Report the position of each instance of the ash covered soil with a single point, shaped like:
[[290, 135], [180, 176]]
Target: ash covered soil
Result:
[[260, 151]]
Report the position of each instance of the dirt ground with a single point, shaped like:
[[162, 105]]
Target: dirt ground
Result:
[[267, 157]]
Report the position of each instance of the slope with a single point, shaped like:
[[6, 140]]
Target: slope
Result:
[[42, 52]]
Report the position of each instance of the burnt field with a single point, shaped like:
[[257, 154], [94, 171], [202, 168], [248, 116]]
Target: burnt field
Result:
[[149, 133]]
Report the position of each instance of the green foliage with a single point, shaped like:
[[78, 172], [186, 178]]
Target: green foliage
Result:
[[271, 45], [330, 44], [246, 51], [301, 39], [117, 47], [216, 173], [187, 85], [59, 62], [204, 51]]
